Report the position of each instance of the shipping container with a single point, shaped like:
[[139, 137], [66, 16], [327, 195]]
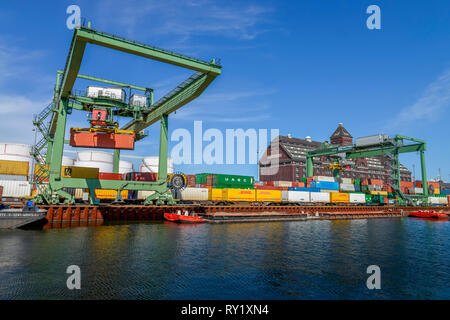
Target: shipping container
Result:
[[346, 181], [371, 140], [20, 168], [339, 197], [238, 195], [382, 193], [115, 93], [320, 197], [347, 187], [13, 177], [357, 198], [138, 100], [110, 194], [79, 172], [325, 185], [110, 176], [433, 200], [15, 189], [304, 189], [232, 180], [140, 176], [1, 193], [190, 180], [296, 196], [194, 194], [376, 182], [415, 190], [268, 195], [328, 190], [215, 194], [323, 179], [282, 183]]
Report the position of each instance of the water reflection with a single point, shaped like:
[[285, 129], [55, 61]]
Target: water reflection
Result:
[[278, 260]]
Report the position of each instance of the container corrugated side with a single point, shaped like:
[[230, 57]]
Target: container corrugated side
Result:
[[110, 194], [268, 195], [296, 196], [199, 194], [15, 189], [14, 167], [238, 194], [324, 179], [357, 198], [215, 194], [339, 197], [320, 197], [13, 177], [144, 194]]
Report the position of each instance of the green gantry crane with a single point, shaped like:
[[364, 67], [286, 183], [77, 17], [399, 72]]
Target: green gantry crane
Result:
[[391, 148], [51, 122]]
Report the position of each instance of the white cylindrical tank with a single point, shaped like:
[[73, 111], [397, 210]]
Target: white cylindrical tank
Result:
[[150, 164], [125, 166], [17, 152], [102, 166], [98, 156]]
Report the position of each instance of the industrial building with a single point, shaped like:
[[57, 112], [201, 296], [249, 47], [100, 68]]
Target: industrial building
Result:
[[292, 160]]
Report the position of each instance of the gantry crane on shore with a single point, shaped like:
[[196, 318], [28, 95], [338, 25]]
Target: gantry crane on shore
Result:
[[389, 147], [51, 122]]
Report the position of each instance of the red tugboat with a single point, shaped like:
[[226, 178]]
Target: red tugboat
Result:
[[428, 214], [184, 217]]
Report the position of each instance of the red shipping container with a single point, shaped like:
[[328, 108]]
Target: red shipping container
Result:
[[309, 179], [101, 140], [257, 187], [376, 182], [406, 184], [140, 176], [268, 183], [190, 180], [298, 184], [209, 180], [364, 182], [110, 176]]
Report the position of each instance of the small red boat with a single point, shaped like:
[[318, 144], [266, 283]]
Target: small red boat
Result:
[[181, 218], [428, 214]]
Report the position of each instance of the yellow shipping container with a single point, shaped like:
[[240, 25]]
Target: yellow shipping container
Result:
[[238, 195], [339, 197], [215, 194], [110, 194], [268, 195], [381, 193], [79, 172], [18, 168]]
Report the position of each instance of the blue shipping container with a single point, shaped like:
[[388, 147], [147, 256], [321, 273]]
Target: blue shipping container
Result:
[[445, 191], [303, 189], [325, 185]]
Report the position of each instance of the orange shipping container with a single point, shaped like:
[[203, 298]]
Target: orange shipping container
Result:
[[376, 182], [101, 140]]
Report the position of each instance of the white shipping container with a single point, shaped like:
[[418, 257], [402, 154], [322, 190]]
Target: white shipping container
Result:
[[296, 196], [142, 195], [443, 200], [282, 183], [320, 197], [324, 178], [433, 200], [371, 140], [373, 187], [329, 190], [347, 187], [110, 92], [15, 189], [199, 194], [346, 180], [357, 198], [415, 190], [78, 194], [138, 100], [13, 177]]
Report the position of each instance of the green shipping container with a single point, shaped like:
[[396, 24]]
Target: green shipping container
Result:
[[201, 177], [304, 180], [233, 180], [369, 198], [357, 181]]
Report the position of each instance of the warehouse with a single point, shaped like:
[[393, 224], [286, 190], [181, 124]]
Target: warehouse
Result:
[[292, 160]]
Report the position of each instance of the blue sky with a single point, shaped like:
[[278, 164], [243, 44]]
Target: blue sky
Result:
[[297, 66]]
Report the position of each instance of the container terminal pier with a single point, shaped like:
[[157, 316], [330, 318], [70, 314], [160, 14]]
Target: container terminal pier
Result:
[[344, 178]]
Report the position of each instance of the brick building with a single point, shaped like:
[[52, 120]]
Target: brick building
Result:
[[292, 160]]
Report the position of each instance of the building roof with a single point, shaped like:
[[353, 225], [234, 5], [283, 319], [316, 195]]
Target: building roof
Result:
[[341, 132]]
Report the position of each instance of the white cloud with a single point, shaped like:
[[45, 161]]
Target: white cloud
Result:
[[185, 19], [429, 107]]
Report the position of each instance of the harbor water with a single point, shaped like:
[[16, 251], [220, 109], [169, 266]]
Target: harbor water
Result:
[[318, 259]]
